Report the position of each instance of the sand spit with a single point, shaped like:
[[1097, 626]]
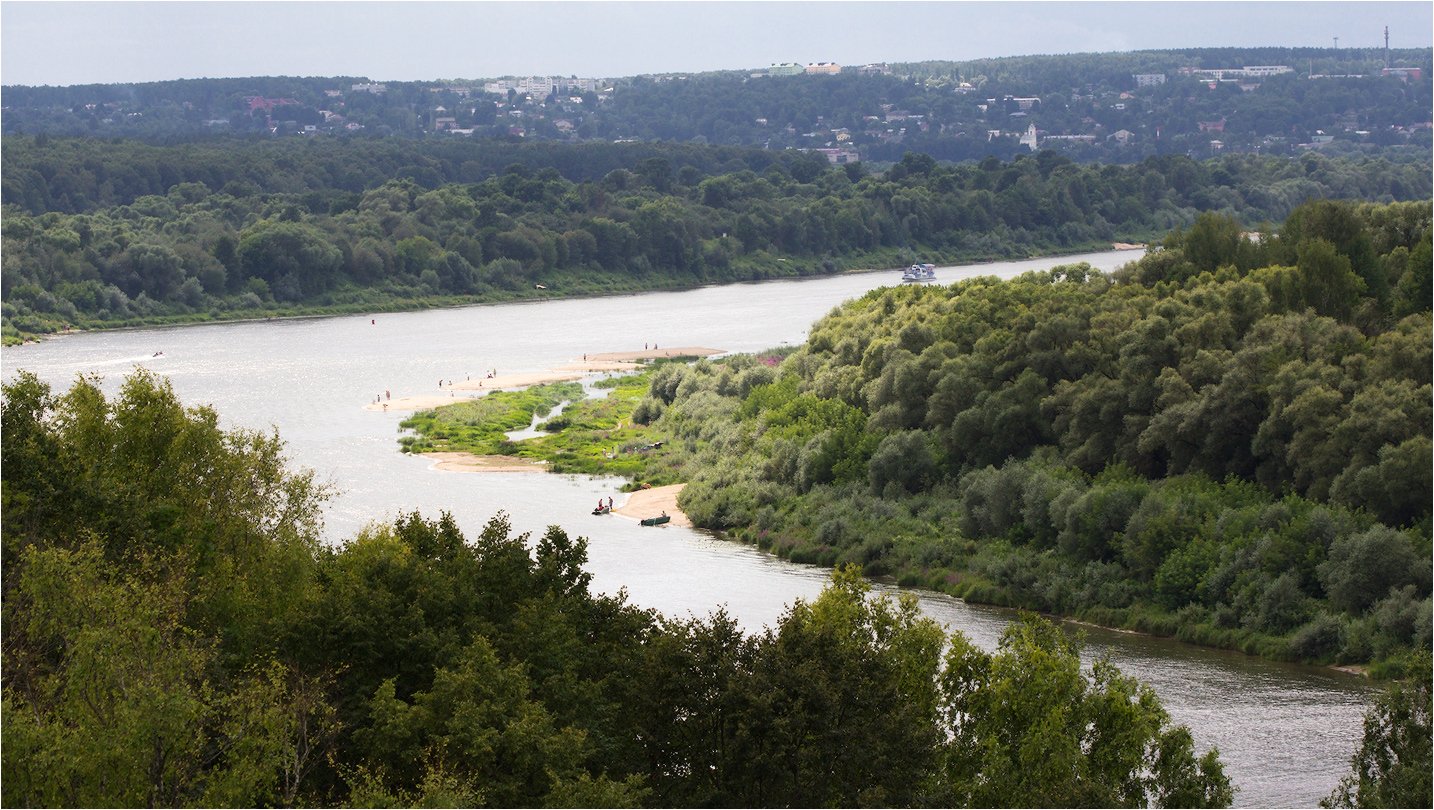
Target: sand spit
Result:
[[646, 503], [657, 354], [419, 402], [468, 462], [469, 387]]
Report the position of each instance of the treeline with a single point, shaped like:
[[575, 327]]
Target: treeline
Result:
[[85, 175], [1085, 94], [309, 242], [1227, 441], [176, 635], [939, 108]]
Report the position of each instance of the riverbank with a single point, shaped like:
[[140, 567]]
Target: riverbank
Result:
[[468, 462], [784, 270], [471, 388], [656, 354], [646, 503]]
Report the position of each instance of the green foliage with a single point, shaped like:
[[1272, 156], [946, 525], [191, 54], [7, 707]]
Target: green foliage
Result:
[[176, 234], [1393, 765], [412, 666], [1031, 730], [1199, 458], [843, 702], [478, 425], [151, 561]]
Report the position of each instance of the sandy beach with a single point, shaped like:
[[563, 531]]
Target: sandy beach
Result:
[[599, 365], [656, 354], [522, 379], [646, 503], [470, 389], [477, 386], [420, 402], [467, 462]]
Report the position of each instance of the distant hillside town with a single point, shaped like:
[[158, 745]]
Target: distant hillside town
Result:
[[1108, 107]]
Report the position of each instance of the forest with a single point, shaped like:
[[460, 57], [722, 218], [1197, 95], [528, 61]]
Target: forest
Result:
[[1227, 441], [176, 635], [103, 234]]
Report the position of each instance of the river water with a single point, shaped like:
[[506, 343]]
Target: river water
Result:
[[1285, 732]]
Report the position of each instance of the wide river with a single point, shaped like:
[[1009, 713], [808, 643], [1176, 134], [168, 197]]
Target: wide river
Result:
[[1285, 732]]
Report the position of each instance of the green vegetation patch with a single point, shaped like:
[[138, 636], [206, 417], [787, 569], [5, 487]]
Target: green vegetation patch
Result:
[[478, 425], [598, 436]]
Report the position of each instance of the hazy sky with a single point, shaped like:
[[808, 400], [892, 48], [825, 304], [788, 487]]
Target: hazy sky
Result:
[[62, 43]]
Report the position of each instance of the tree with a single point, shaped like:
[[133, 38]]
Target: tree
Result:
[[1393, 765], [290, 250], [841, 703], [1028, 729], [1362, 568], [150, 562], [1328, 283]]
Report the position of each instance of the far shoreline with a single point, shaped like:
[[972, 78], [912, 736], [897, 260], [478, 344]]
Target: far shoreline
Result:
[[527, 297]]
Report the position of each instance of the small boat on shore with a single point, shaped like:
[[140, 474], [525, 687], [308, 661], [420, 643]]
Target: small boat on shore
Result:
[[602, 510], [919, 272], [656, 521]]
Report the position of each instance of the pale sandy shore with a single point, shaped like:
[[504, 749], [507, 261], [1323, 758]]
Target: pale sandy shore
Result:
[[646, 503], [599, 365], [418, 402], [468, 462], [655, 354], [1126, 246], [468, 389], [522, 379], [477, 386]]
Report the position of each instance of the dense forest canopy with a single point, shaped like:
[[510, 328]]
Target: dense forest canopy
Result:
[[1089, 106], [99, 233]]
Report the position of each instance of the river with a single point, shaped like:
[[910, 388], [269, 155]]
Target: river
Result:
[[1285, 732]]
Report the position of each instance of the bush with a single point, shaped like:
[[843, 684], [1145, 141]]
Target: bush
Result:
[[1363, 567], [1319, 639]]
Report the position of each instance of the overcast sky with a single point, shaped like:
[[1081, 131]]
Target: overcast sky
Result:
[[63, 43]]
